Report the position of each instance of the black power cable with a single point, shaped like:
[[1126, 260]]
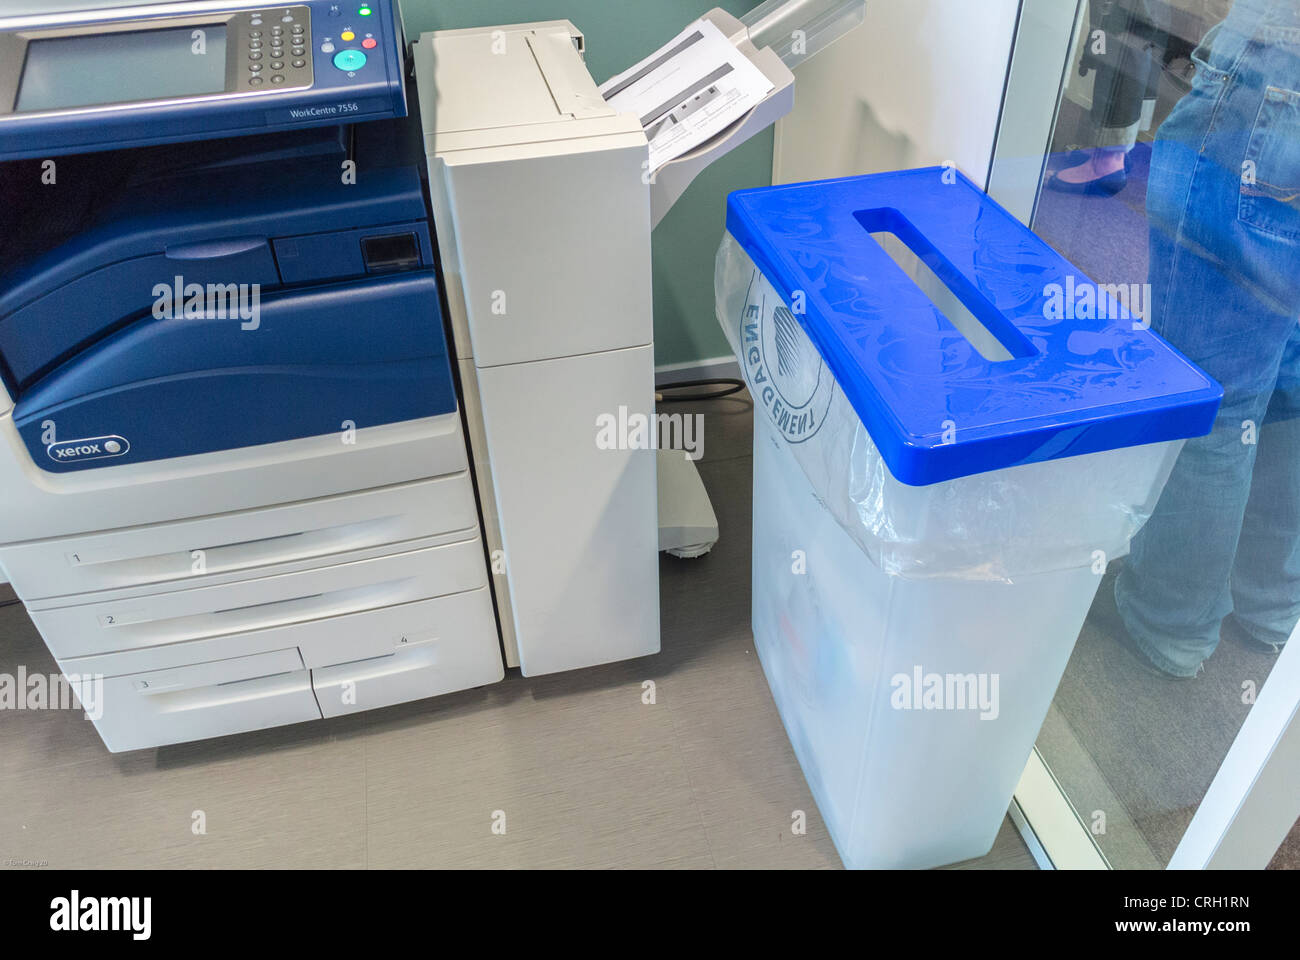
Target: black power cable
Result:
[[731, 384]]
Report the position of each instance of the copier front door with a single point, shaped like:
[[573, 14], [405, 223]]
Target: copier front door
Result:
[[276, 289]]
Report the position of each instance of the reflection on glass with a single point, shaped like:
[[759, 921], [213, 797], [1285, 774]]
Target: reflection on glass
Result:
[[1125, 47], [1223, 200], [1176, 167]]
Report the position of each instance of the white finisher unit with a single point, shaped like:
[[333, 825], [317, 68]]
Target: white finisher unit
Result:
[[542, 212]]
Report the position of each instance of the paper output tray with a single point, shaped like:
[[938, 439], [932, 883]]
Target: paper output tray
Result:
[[671, 180]]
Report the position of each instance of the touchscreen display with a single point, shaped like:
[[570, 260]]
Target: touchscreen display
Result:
[[83, 71]]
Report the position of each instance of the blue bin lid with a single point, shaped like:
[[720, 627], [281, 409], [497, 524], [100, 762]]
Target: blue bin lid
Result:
[[933, 405]]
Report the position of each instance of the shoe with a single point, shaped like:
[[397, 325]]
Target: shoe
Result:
[[1075, 157], [1079, 155], [1233, 631], [1105, 615], [1106, 186]]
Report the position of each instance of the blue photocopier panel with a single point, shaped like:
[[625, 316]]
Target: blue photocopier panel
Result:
[[161, 73], [184, 306]]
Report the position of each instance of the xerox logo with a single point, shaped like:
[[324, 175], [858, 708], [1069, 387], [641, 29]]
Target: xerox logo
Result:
[[92, 448], [102, 914]]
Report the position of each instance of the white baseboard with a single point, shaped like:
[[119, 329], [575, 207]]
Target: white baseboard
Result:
[[725, 366]]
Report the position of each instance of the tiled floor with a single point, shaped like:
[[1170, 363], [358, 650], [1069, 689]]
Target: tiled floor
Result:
[[584, 773]]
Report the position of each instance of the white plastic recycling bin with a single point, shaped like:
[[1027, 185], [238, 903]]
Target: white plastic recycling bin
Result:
[[935, 499]]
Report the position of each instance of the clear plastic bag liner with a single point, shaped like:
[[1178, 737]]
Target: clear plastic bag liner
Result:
[[1000, 525]]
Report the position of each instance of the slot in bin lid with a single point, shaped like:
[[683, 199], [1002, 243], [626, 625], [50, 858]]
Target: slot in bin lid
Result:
[[1080, 378]]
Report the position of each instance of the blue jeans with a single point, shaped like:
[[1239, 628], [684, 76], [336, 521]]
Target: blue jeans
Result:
[[1224, 208]]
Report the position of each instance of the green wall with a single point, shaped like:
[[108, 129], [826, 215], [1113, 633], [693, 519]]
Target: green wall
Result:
[[619, 34]]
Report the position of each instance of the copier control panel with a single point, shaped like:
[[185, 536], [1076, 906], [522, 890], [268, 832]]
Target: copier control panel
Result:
[[165, 73]]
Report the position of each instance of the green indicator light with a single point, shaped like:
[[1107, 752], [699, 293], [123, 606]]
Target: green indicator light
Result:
[[364, 11]]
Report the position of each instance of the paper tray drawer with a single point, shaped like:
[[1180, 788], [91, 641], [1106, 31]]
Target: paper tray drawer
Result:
[[127, 623], [204, 700], [244, 541], [221, 672], [453, 647]]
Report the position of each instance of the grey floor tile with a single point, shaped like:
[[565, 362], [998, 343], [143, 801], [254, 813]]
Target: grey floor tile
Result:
[[589, 778], [728, 425], [35, 739], [705, 600], [294, 805], [744, 775]]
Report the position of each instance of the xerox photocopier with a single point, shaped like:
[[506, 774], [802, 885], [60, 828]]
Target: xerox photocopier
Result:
[[237, 489], [300, 378], [235, 481]]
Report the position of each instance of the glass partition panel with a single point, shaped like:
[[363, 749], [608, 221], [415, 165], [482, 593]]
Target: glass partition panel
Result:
[[1168, 167]]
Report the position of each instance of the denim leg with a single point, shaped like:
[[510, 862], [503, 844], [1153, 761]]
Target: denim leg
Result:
[[1225, 292], [1266, 574], [1174, 589]]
